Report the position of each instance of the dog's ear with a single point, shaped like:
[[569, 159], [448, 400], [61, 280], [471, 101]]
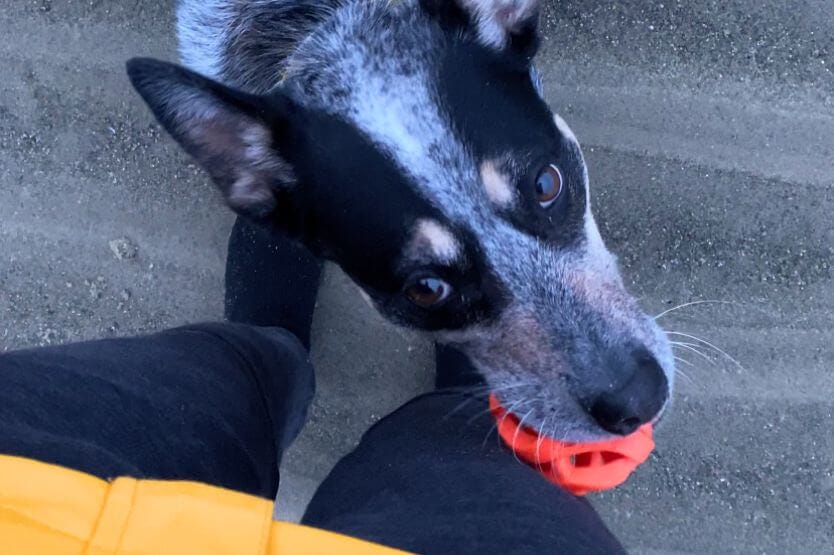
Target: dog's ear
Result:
[[503, 25], [230, 133]]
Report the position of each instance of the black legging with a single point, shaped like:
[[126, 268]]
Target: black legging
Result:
[[219, 404]]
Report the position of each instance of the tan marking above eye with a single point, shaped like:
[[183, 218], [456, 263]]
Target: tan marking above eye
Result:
[[435, 241], [497, 184]]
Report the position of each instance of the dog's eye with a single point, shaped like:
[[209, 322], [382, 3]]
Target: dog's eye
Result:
[[549, 186], [428, 292]]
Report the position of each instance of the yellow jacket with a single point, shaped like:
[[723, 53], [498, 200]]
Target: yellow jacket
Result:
[[49, 510]]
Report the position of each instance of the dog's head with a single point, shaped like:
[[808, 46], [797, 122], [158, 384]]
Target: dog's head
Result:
[[409, 143]]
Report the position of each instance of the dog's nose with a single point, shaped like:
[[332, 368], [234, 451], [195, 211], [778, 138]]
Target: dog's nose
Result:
[[635, 402]]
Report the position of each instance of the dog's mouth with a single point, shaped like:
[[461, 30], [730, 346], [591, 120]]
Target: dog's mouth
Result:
[[580, 468], [568, 422], [568, 408]]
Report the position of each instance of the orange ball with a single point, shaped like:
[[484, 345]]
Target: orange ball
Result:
[[580, 468]]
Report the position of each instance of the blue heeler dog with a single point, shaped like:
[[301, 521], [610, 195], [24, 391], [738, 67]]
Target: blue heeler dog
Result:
[[408, 141]]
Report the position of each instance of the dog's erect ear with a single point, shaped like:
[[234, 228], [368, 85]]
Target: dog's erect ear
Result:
[[498, 24], [231, 134]]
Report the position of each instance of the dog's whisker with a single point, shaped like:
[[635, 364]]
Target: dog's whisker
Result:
[[466, 401], [477, 415], [693, 303], [684, 375], [509, 411], [517, 431], [467, 390], [539, 442], [497, 423], [694, 347], [487, 390], [688, 344], [471, 394], [683, 360], [493, 428], [508, 387], [710, 345], [680, 372], [478, 393], [696, 351]]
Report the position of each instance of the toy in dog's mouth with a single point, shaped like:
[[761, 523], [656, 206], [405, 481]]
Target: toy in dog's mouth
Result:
[[580, 468]]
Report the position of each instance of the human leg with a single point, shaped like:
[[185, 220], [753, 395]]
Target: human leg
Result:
[[433, 478]]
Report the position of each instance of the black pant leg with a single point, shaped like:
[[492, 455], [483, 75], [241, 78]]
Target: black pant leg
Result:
[[214, 403], [431, 483], [270, 280]]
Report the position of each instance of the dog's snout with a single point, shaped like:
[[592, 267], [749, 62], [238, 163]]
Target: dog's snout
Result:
[[637, 401]]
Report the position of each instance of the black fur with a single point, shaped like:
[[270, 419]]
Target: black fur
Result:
[[476, 81], [347, 201], [272, 29]]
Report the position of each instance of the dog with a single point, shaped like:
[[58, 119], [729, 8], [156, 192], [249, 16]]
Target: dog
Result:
[[409, 142]]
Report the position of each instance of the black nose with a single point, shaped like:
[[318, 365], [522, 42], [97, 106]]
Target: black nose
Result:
[[635, 402]]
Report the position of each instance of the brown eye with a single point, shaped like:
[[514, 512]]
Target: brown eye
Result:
[[549, 186], [428, 292]]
